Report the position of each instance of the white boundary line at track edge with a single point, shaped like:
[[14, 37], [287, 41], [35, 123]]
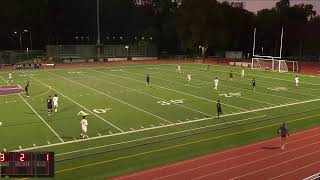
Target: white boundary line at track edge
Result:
[[77, 103], [54, 132], [140, 130]]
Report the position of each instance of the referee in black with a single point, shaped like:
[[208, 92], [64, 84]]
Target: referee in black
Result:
[[26, 88], [253, 84], [148, 79], [219, 109], [283, 131]]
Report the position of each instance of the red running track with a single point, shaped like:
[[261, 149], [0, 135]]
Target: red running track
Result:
[[263, 160]]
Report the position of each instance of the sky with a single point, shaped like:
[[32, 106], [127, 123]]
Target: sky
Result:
[[256, 5]]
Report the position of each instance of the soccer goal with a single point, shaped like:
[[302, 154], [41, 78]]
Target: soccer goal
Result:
[[274, 64]]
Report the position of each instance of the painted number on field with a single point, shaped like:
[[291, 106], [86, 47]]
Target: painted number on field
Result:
[[278, 89], [101, 111], [82, 113], [167, 103], [98, 111], [229, 95]]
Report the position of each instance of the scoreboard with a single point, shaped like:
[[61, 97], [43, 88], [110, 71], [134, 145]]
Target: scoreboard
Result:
[[26, 164]]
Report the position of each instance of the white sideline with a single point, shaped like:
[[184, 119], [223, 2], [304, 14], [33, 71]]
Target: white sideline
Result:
[[178, 132], [54, 132], [170, 90], [139, 130], [77, 104], [147, 94], [113, 98]]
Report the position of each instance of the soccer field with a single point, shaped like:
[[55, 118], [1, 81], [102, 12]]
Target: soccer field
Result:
[[133, 126]]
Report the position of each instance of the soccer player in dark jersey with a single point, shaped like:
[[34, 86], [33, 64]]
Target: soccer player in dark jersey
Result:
[[253, 84], [26, 88], [148, 79], [231, 75], [219, 109], [283, 131], [49, 106]]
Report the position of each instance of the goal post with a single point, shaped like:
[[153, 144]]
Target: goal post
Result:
[[274, 64]]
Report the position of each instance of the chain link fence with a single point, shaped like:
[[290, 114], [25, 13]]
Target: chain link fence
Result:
[[17, 57], [61, 52]]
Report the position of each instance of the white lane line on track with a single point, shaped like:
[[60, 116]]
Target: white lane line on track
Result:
[[232, 158]]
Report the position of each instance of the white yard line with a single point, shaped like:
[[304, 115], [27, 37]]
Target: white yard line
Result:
[[170, 90], [76, 103], [158, 127], [155, 97], [266, 77], [207, 81], [116, 99], [54, 132]]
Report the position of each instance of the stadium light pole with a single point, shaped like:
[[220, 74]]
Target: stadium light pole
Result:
[[98, 21], [20, 38], [30, 37]]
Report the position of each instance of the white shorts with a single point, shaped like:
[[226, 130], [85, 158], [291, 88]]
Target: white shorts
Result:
[[84, 129], [56, 105]]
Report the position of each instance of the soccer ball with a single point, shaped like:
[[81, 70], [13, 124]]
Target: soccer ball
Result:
[[0, 123]]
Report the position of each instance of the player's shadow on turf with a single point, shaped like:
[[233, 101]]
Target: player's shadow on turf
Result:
[[271, 148]]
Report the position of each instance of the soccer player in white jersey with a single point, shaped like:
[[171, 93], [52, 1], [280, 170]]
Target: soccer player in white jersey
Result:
[[216, 82], [55, 100], [84, 125], [10, 77], [242, 72], [297, 81], [179, 69], [189, 77]]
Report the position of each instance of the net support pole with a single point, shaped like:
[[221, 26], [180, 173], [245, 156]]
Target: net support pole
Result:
[[281, 42], [254, 41]]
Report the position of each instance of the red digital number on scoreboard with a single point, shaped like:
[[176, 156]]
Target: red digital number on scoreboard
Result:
[[22, 157], [2, 157]]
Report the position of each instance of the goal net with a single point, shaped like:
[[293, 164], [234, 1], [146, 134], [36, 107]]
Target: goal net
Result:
[[274, 64]]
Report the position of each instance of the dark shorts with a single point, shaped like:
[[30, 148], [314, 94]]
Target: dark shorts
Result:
[[49, 107], [283, 135]]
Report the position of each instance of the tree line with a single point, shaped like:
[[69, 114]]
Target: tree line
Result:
[[176, 27]]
